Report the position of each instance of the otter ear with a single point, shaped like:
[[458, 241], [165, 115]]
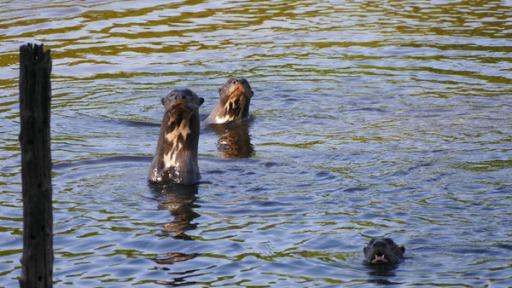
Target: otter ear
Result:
[[402, 249], [163, 100], [201, 101]]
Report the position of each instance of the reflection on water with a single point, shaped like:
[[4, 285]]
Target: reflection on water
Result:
[[234, 140], [179, 201], [371, 118]]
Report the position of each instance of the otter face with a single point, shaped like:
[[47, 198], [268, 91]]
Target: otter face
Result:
[[181, 94], [383, 251], [235, 96]]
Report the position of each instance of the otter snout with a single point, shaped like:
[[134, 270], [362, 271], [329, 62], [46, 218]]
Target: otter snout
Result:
[[181, 94], [236, 87]]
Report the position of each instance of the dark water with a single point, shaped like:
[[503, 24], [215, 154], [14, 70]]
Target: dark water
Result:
[[371, 118]]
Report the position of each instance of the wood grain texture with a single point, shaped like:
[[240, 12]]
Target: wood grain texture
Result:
[[35, 96]]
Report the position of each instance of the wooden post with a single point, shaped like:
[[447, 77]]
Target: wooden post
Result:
[[35, 90]]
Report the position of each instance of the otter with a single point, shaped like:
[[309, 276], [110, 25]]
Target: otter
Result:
[[234, 140], [176, 152], [383, 251], [234, 99]]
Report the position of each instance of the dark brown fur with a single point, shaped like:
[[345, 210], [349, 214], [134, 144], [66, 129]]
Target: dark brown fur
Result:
[[381, 251], [176, 153], [234, 140], [234, 101]]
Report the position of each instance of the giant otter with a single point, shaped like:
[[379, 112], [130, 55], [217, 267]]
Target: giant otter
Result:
[[176, 152], [234, 99], [234, 140], [383, 251]]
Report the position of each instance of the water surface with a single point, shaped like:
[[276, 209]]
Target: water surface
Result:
[[371, 118]]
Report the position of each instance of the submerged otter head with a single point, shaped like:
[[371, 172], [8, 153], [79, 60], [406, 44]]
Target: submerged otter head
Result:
[[176, 153], [235, 97], [383, 251]]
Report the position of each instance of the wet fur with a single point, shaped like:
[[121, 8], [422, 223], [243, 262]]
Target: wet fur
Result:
[[383, 246], [233, 103], [234, 140], [176, 153]]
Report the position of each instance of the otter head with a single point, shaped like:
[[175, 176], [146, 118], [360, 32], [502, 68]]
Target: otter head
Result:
[[183, 95], [176, 153], [383, 251], [235, 97]]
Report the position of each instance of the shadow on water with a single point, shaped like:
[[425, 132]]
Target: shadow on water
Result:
[[234, 140]]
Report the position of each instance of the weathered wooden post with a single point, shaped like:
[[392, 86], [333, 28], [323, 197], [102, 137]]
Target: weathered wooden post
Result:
[[35, 93]]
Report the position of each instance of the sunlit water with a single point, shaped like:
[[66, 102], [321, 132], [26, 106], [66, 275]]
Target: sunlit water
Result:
[[370, 119]]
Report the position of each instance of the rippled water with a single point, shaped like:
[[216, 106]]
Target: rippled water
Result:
[[371, 118]]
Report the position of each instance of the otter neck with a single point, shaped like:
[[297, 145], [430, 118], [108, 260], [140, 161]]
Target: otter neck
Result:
[[234, 108], [177, 146]]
